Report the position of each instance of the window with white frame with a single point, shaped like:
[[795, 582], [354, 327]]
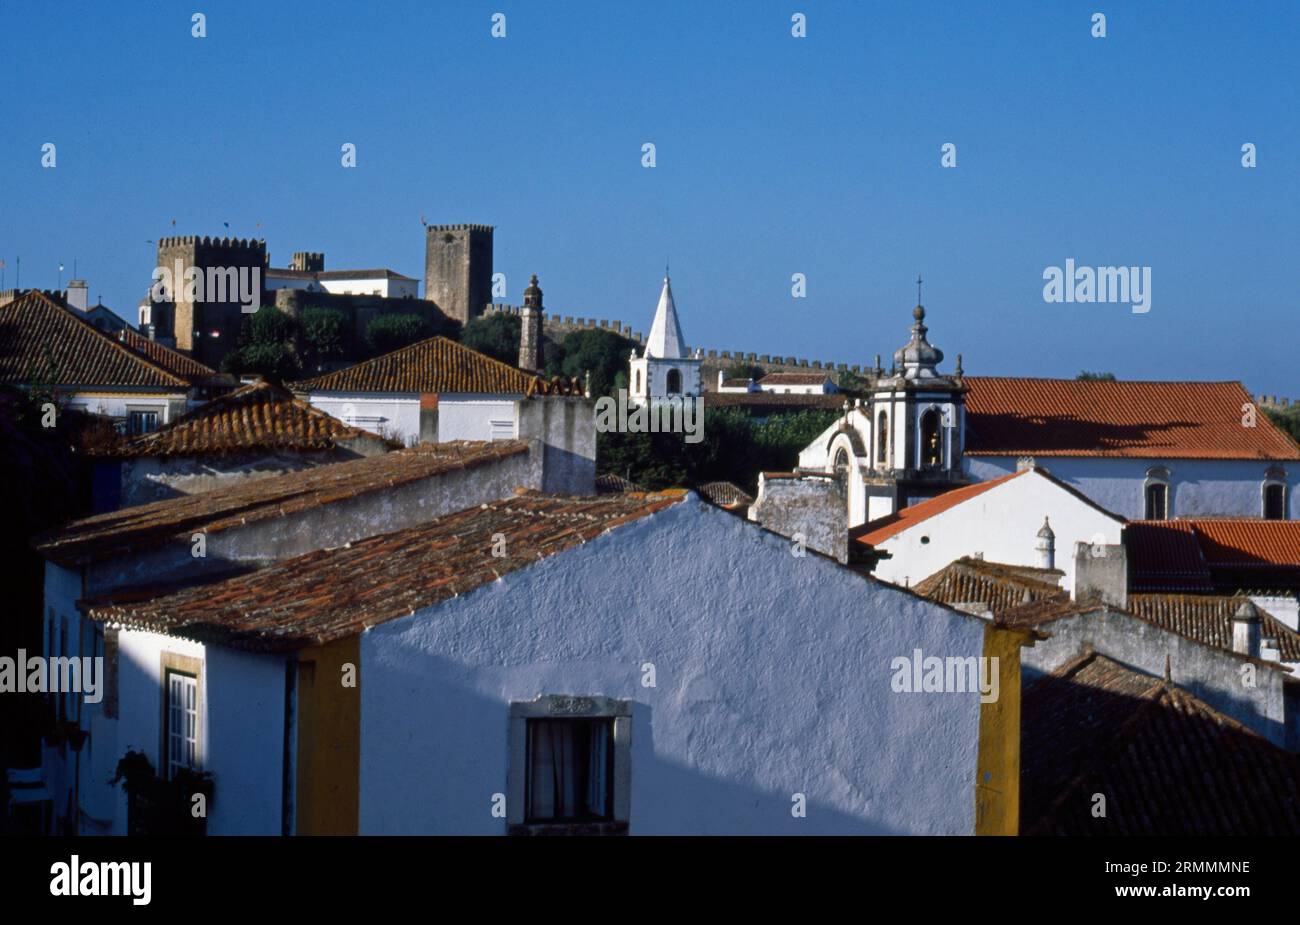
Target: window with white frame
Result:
[[182, 733], [570, 765], [1274, 495], [1155, 494]]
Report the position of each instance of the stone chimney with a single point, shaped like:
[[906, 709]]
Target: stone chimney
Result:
[[1100, 573], [1246, 630], [1045, 547], [530, 334], [77, 294]]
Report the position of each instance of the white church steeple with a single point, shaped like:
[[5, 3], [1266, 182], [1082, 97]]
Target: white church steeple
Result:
[[666, 341], [663, 370]]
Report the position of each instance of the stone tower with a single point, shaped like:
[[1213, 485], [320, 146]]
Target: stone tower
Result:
[[458, 269], [530, 334], [208, 327], [308, 261]]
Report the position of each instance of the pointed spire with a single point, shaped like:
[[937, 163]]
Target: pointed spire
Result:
[[665, 340]]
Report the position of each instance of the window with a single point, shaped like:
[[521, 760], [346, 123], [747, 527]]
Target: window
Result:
[[841, 461], [1155, 494], [931, 443], [882, 438], [1275, 501], [636, 386], [570, 766], [674, 382], [182, 733], [569, 772], [1157, 507], [141, 422]]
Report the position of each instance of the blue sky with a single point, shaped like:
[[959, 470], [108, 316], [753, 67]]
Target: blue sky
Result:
[[775, 156]]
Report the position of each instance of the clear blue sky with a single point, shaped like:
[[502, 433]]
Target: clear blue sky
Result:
[[775, 155]]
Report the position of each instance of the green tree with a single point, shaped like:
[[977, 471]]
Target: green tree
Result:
[[739, 369], [1096, 377], [269, 346], [602, 353], [496, 335], [387, 333], [325, 335]]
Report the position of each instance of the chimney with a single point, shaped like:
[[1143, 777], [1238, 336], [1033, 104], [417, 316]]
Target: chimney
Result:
[[721, 376], [1045, 547], [1246, 630], [77, 292], [530, 334], [1100, 573]]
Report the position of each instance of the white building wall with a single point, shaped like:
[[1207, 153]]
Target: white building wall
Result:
[[117, 405], [1002, 524], [1198, 488], [395, 415], [468, 417], [773, 678]]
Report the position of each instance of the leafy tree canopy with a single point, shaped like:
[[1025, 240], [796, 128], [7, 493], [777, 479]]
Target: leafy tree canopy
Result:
[[496, 335]]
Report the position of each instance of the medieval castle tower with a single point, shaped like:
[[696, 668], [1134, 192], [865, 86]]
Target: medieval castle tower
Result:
[[458, 269], [204, 328]]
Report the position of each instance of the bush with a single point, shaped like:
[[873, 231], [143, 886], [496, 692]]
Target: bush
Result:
[[495, 335], [602, 353], [326, 336], [387, 333]]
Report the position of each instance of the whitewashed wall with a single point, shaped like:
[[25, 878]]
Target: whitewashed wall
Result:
[[397, 415], [1002, 523], [1198, 488], [773, 678]]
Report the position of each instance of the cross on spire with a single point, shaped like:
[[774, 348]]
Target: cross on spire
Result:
[[918, 289]]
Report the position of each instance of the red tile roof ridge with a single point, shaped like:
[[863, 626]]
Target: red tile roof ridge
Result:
[[883, 528]]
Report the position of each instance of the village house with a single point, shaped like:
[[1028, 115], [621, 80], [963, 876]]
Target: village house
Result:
[[45, 345], [192, 539], [612, 664], [438, 390], [256, 431]]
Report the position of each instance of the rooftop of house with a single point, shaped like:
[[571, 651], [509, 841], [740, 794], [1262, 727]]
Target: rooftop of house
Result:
[[41, 340], [998, 586], [793, 379], [289, 273], [105, 536], [774, 401], [725, 494], [1208, 554], [1167, 763], [1207, 619], [1072, 417], [260, 417], [877, 531], [609, 483], [438, 365], [175, 362], [335, 593]]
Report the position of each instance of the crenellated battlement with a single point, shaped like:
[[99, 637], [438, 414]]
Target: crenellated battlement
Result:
[[430, 229], [249, 244]]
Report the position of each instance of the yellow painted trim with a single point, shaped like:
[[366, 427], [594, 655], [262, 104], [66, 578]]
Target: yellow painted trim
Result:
[[327, 791], [997, 784]]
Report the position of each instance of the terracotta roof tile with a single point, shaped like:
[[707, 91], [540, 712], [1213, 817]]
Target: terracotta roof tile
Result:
[[437, 365], [1207, 619], [609, 483], [1213, 553], [107, 535], [175, 362], [1071, 417], [773, 401], [1167, 763], [725, 494], [882, 528], [35, 332], [998, 586], [335, 593], [256, 418]]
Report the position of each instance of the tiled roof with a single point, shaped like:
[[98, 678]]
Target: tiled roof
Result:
[[1205, 554], [1207, 619], [773, 401], [725, 494], [257, 417], [795, 379], [36, 332], [1166, 762], [1071, 417], [106, 535], [609, 483], [1047, 610], [437, 365], [331, 594], [175, 362], [998, 586], [877, 531]]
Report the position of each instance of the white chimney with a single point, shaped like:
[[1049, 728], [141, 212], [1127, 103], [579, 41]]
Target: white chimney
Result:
[[720, 380], [1045, 547], [1245, 630], [77, 290]]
